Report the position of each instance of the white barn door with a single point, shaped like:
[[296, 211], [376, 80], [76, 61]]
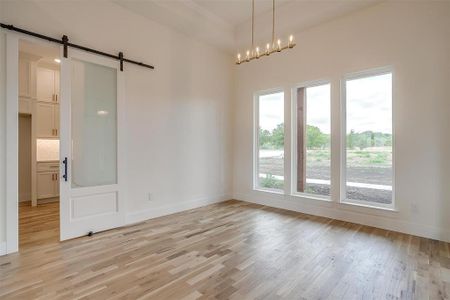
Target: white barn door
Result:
[[91, 181]]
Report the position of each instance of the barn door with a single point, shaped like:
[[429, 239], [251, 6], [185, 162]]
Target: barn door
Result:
[[91, 186]]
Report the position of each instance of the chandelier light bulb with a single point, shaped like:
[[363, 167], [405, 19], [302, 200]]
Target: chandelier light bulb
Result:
[[291, 39], [279, 45], [239, 58], [257, 52]]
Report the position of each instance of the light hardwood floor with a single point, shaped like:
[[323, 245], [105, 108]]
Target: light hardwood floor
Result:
[[231, 250], [38, 225]]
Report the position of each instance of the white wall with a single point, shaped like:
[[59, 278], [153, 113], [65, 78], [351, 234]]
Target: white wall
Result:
[[414, 38], [178, 143]]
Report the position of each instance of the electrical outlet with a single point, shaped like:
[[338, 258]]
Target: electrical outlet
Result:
[[150, 197], [414, 208]]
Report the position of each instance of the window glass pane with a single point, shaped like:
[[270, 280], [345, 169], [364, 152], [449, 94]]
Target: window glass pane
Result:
[[270, 164], [313, 140], [369, 139], [94, 124]]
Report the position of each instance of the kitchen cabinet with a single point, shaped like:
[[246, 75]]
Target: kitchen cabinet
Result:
[[47, 85], [27, 85], [47, 180], [47, 120]]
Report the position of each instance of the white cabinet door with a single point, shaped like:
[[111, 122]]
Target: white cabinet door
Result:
[[45, 120], [45, 185], [56, 119], [24, 78], [56, 88], [45, 85], [56, 189]]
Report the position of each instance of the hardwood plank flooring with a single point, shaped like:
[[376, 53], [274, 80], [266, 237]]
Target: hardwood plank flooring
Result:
[[38, 225], [231, 250]]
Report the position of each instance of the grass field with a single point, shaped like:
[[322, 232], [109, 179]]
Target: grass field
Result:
[[369, 157]]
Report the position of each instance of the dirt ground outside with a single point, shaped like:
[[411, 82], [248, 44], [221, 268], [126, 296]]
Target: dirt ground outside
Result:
[[368, 167]]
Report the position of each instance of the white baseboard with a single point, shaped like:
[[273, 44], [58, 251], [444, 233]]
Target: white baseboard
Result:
[[374, 220], [139, 216], [2, 248]]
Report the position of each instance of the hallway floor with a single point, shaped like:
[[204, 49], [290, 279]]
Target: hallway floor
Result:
[[38, 225]]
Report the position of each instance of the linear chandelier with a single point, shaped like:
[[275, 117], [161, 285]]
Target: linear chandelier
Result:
[[274, 46]]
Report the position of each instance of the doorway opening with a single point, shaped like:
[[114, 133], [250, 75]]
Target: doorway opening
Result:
[[38, 147]]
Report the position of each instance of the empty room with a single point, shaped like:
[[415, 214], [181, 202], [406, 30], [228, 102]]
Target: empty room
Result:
[[224, 149]]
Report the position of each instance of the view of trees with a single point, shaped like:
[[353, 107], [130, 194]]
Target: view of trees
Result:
[[368, 139], [272, 139], [316, 139]]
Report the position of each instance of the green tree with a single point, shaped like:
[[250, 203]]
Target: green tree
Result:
[[351, 139], [388, 140], [278, 136], [264, 138], [363, 140], [315, 139], [368, 139]]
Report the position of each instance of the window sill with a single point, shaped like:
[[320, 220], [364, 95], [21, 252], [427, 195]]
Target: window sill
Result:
[[273, 191], [352, 203], [311, 197]]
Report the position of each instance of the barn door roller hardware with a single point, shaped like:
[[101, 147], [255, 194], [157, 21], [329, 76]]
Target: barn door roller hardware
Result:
[[65, 42]]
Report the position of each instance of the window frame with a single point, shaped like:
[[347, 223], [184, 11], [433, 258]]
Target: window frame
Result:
[[343, 157], [294, 142], [255, 169]]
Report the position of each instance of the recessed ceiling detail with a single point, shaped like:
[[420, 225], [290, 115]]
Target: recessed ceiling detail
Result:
[[226, 24]]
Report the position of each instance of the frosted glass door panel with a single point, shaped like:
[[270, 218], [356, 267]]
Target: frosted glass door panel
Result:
[[94, 124]]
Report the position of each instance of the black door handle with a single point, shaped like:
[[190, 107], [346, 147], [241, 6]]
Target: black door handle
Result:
[[65, 169]]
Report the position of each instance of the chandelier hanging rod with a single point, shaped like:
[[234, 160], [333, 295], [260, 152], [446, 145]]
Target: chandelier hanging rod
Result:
[[273, 22], [253, 23]]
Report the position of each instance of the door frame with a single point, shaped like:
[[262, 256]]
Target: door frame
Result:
[[12, 133], [12, 143]]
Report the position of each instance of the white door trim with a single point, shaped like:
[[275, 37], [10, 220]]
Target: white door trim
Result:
[[12, 134], [12, 144]]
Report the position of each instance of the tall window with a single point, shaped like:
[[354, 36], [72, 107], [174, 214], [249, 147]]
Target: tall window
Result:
[[312, 174], [269, 164], [368, 151]]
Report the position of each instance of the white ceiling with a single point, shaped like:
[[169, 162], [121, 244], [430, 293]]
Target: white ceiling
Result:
[[235, 12], [226, 23]]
